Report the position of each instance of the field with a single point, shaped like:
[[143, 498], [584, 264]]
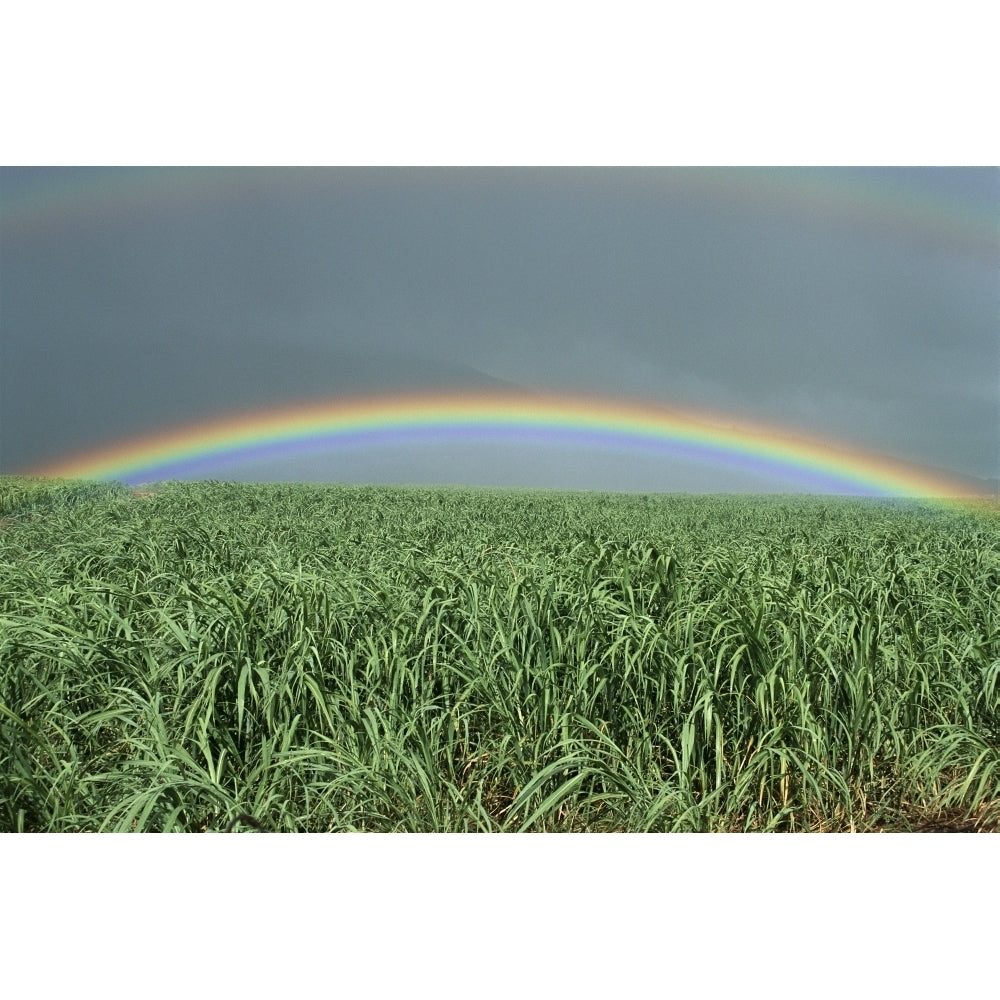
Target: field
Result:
[[218, 656]]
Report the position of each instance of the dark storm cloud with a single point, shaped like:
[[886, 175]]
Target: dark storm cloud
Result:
[[720, 290]]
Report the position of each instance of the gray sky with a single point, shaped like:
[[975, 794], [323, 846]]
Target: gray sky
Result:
[[854, 304]]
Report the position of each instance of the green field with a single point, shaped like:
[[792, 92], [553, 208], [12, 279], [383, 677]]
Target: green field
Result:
[[333, 658]]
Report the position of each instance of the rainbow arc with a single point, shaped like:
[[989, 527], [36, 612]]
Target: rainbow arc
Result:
[[723, 440]]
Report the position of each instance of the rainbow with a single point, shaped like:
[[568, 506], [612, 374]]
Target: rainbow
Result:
[[36, 210], [78, 197], [821, 466]]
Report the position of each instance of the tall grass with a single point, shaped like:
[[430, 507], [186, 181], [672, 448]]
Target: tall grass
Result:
[[348, 658]]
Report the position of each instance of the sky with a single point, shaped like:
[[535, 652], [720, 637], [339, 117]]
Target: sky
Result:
[[858, 305]]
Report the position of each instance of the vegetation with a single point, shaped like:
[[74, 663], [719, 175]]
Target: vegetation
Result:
[[360, 658]]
